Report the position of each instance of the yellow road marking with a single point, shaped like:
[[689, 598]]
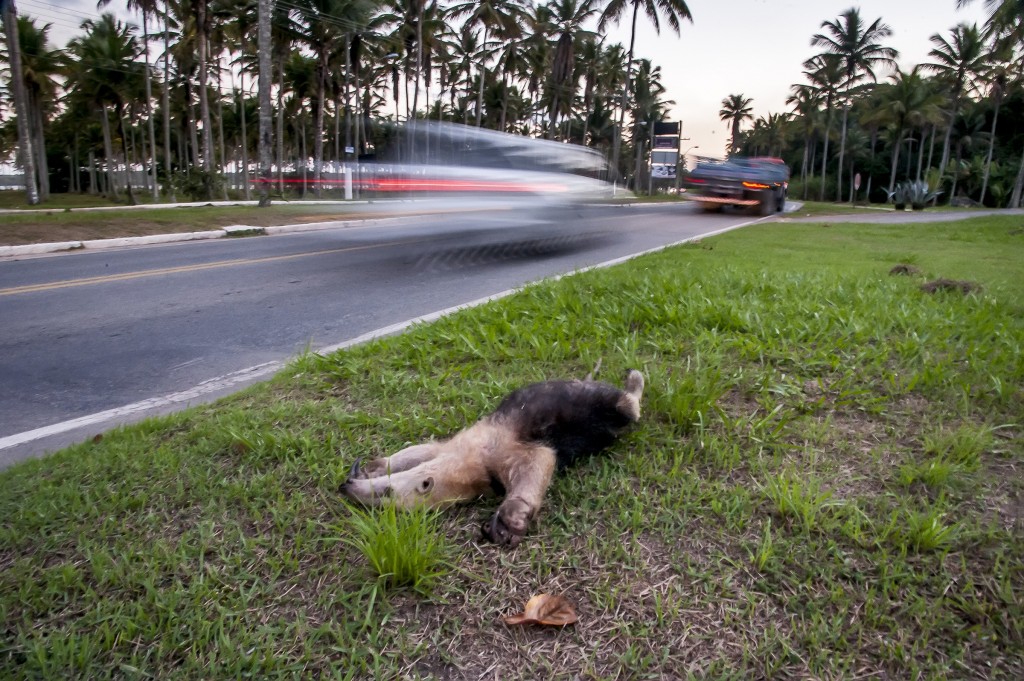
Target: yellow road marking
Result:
[[89, 281]]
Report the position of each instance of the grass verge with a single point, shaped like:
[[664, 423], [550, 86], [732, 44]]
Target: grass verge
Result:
[[825, 483], [29, 228]]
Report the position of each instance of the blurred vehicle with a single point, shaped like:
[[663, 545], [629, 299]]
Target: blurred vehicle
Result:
[[434, 159], [758, 183]]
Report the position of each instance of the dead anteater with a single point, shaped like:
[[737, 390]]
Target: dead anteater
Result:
[[513, 451]]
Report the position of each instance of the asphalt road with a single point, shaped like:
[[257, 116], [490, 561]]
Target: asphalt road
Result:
[[93, 339]]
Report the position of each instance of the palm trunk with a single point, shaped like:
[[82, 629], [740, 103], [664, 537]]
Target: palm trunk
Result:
[[504, 101], [419, 57], [108, 151], [920, 156], [93, 180], [265, 140], [119, 111], [193, 131], [617, 139], [280, 124], [318, 136], [149, 106], [245, 141], [28, 164], [1018, 185], [222, 166], [948, 137], [956, 173], [204, 99], [991, 145], [931, 149], [480, 89], [895, 161], [824, 155], [842, 151], [167, 111], [39, 146]]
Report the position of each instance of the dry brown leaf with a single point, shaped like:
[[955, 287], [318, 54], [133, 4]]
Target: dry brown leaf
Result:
[[547, 610]]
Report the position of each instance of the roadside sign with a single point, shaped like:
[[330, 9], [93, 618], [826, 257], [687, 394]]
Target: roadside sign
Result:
[[856, 182]]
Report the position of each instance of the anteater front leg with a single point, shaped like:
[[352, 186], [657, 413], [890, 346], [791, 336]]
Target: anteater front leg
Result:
[[526, 474], [403, 460]]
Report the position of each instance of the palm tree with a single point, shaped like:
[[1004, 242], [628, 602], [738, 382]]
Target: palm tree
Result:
[[567, 19], [774, 133], [969, 131], [649, 108], [1006, 25], [322, 22], [40, 65], [959, 61], [674, 10], [858, 49], [805, 103], [166, 98], [500, 18], [997, 78], [611, 74], [590, 61], [513, 64], [240, 17], [825, 73], [202, 28], [10, 20], [102, 69], [908, 101], [735, 110], [146, 8]]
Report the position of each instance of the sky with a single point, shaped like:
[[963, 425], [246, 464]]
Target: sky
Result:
[[751, 47], [757, 48]]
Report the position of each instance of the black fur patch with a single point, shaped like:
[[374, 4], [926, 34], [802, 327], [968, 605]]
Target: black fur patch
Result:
[[575, 418]]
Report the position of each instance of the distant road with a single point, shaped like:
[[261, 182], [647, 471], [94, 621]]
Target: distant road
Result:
[[93, 339]]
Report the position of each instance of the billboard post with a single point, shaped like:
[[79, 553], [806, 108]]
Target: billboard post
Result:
[[665, 139]]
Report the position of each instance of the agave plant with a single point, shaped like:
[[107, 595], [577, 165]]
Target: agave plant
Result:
[[918, 194], [914, 192], [899, 196]]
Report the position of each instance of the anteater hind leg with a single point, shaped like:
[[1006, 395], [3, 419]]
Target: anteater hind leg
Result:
[[526, 475]]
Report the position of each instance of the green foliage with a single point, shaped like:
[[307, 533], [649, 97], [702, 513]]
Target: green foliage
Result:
[[795, 497], [198, 184], [926, 531], [404, 547]]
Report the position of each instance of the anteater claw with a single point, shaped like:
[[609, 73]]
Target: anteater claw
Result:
[[353, 472]]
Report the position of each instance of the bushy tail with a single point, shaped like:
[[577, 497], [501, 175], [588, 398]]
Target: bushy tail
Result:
[[635, 383], [629, 401]]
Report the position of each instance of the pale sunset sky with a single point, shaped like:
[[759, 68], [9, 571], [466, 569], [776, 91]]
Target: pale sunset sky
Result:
[[751, 47]]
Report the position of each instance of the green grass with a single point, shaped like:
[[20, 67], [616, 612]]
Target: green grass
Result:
[[28, 228], [404, 548], [772, 514]]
